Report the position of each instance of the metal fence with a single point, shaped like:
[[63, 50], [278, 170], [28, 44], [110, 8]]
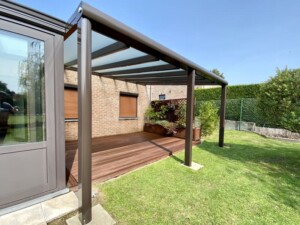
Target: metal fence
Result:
[[239, 111]]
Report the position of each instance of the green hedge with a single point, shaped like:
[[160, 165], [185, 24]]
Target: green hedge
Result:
[[245, 109], [233, 92]]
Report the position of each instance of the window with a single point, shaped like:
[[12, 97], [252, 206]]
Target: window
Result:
[[128, 105], [162, 97], [22, 89], [71, 102]]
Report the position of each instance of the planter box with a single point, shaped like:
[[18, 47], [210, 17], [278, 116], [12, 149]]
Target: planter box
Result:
[[156, 129], [180, 133]]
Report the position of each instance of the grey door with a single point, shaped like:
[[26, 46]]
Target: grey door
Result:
[[27, 118]]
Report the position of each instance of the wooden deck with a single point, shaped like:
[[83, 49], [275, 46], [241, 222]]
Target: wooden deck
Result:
[[119, 154]]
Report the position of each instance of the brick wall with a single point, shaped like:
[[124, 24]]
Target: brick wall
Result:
[[171, 92], [105, 107]]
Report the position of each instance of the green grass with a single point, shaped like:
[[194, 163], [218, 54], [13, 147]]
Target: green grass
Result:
[[253, 180]]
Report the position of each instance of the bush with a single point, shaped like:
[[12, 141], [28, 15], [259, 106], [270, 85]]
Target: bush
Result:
[[208, 118], [153, 115], [279, 100], [181, 116]]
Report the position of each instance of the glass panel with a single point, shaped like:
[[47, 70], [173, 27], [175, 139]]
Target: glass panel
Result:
[[22, 89], [70, 48], [143, 65], [118, 56], [100, 41]]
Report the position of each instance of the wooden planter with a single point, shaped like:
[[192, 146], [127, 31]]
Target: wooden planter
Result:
[[180, 133], [156, 129]]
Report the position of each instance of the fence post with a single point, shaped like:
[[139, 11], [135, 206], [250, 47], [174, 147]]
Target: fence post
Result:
[[241, 114]]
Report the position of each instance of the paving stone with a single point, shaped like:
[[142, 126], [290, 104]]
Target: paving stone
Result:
[[99, 217], [32, 215], [59, 206], [95, 191], [194, 166]]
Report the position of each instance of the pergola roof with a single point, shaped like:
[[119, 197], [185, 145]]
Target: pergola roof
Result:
[[122, 53]]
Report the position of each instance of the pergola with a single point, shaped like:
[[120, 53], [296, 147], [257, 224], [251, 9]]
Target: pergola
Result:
[[108, 48]]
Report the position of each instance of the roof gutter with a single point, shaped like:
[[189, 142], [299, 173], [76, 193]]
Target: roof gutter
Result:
[[31, 16]]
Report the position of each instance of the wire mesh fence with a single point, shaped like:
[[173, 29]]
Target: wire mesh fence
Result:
[[239, 111]]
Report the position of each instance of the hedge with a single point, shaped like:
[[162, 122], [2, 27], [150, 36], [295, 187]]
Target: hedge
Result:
[[234, 107], [233, 92]]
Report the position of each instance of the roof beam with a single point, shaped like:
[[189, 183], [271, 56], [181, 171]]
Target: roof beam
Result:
[[110, 49], [173, 82], [170, 78], [147, 75], [142, 70], [128, 62]]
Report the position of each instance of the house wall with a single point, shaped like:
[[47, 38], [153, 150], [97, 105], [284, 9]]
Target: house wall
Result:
[[105, 107], [171, 92]]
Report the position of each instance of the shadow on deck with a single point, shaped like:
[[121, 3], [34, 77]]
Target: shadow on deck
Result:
[[115, 155]]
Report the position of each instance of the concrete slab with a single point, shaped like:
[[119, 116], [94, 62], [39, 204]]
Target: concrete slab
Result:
[[194, 166], [32, 215], [95, 191], [99, 217], [59, 206]]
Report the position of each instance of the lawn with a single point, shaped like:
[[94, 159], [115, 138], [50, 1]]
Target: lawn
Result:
[[253, 180]]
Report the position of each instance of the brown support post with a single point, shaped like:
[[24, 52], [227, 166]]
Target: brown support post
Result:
[[85, 119], [222, 116], [189, 118]]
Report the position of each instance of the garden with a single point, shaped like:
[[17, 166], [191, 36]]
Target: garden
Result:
[[252, 180]]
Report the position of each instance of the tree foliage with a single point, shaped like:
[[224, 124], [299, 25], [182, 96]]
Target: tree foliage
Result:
[[279, 100], [217, 72], [208, 117]]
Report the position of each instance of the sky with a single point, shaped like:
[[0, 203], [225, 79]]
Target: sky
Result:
[[245, 40]]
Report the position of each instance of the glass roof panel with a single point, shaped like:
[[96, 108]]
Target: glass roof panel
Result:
[[70, 48], [142, 65], [129, 53], [100, 41]]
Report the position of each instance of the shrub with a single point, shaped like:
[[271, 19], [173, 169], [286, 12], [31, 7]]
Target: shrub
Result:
[[180, 112], [150, 114], [153, 115], [279, 100], [208, 118]]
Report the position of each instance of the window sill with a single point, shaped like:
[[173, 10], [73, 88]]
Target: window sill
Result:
[[71, 120], [128, 118]]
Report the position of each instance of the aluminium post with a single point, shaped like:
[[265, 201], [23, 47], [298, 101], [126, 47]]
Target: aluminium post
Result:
[[189, 118], [222, 116], [85, 118]]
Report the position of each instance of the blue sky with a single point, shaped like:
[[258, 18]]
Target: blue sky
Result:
[[246, 40]]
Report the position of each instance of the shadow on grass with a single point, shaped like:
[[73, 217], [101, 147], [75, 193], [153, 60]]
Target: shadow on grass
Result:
[[276, 166]]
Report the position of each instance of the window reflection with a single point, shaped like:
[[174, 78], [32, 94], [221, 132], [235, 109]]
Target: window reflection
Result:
[[22, 89]]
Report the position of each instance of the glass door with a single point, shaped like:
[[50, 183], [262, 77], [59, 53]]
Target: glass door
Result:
[[27, 128]]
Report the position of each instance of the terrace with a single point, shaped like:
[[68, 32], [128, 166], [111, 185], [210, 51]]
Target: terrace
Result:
[[115, 155]]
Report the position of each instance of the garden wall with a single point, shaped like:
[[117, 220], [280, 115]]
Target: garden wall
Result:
[[275, 132], [268, 132]]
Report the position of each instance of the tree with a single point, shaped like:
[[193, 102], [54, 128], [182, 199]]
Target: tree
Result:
[[279, 100], [218, 73]]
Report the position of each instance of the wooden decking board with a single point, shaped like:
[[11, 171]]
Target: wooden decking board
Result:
[[119, 154]]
